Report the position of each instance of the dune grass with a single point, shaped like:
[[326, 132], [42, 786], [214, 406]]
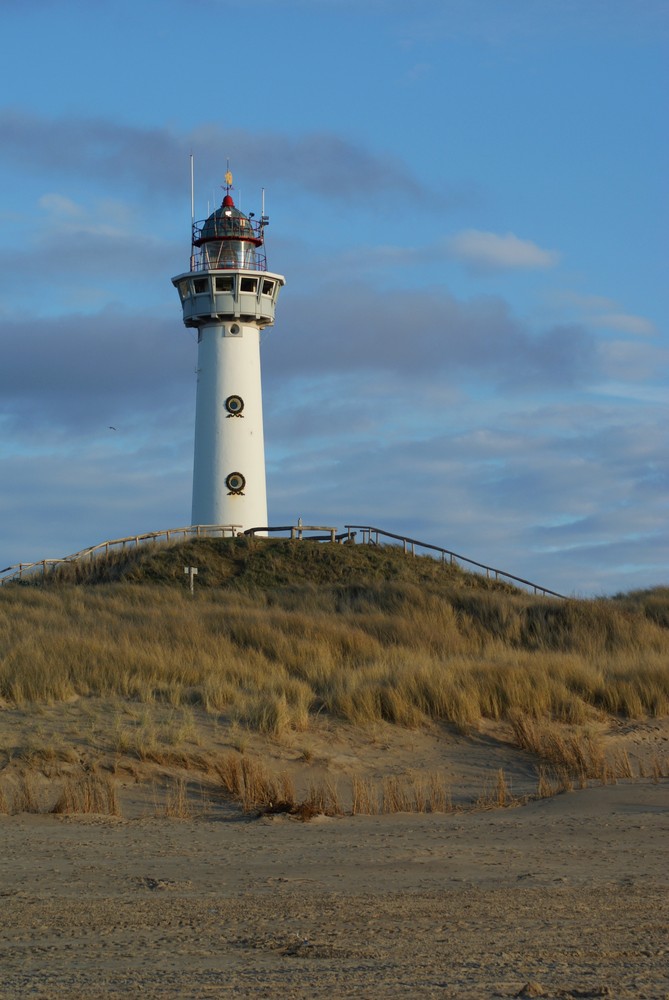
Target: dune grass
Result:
[[278, 632]]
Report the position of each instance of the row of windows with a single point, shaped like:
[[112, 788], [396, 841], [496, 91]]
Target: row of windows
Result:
[[226, 283]]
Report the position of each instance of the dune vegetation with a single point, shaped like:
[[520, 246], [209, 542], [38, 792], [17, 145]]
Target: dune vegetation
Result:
[[279, 634], [278, 631]]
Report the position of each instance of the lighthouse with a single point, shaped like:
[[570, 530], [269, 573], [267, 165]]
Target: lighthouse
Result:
[[229, 297]]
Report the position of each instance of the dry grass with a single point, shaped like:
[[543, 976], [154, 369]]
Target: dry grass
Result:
[[364, 798], [575, 755], [88, 793], [497, 794], [177, 803], [248, 781], [323, 799], [26, 795], [81, 791], [552, 781], [396, 795], [409, 793], [578, 754], [270, 660], [279, 634]]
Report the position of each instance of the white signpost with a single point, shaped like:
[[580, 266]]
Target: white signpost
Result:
[[192, 573]]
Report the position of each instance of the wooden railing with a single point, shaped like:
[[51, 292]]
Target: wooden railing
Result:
[[297, 532], [370, 536], [20, 570]]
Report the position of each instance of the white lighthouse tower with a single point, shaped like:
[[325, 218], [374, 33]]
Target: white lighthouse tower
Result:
[[229, 296]]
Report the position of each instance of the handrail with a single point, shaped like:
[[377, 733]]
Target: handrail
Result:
[[296, 531], [18, 571], [370, 535], [368, 531]]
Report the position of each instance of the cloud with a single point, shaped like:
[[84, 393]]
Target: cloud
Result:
[[418, 71], [633, 392], [626, 323], [155, 159], [62, 501], [586, 303], [108, 216], [425, 330], [90, 254], [485, 252], [77, 265], [562, 496], [603, 312], [61, 207], [631, 361], [499, 23], [79, 373]]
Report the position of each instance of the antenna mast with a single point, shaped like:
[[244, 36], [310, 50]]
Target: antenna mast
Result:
[[192, 190], [192, 213]]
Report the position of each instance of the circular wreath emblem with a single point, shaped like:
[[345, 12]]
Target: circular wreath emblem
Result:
[[235, 483], [234, 405]]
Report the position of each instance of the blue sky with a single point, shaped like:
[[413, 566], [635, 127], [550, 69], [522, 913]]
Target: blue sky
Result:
[[468, 200]]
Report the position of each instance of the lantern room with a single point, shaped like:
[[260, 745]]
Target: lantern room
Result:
[[229, 239]]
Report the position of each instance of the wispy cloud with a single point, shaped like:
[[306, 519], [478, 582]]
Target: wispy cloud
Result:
[[603, 312], [484, 252], [155, 159], [625, 323], [498, 23]]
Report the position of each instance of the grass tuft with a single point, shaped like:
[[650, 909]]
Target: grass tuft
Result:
[[88, 793]]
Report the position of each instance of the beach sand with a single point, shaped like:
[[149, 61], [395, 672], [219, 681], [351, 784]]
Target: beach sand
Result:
[[562, 897]]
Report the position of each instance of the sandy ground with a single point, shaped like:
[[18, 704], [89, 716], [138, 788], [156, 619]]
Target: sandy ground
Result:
[[560, 897], [563, 897]]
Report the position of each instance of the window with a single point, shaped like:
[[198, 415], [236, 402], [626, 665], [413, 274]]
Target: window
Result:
[[212, 254], [201, 285], [249, 285], [267, 287], [184, 289], [225, 283]]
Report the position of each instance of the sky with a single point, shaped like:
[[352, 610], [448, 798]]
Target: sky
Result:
[[468, 200]]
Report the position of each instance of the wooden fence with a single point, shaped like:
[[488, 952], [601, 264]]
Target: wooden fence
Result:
[[20, 570], [370, 536]]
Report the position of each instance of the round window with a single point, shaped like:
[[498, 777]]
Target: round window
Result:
[[234, 405], [235, 482]]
